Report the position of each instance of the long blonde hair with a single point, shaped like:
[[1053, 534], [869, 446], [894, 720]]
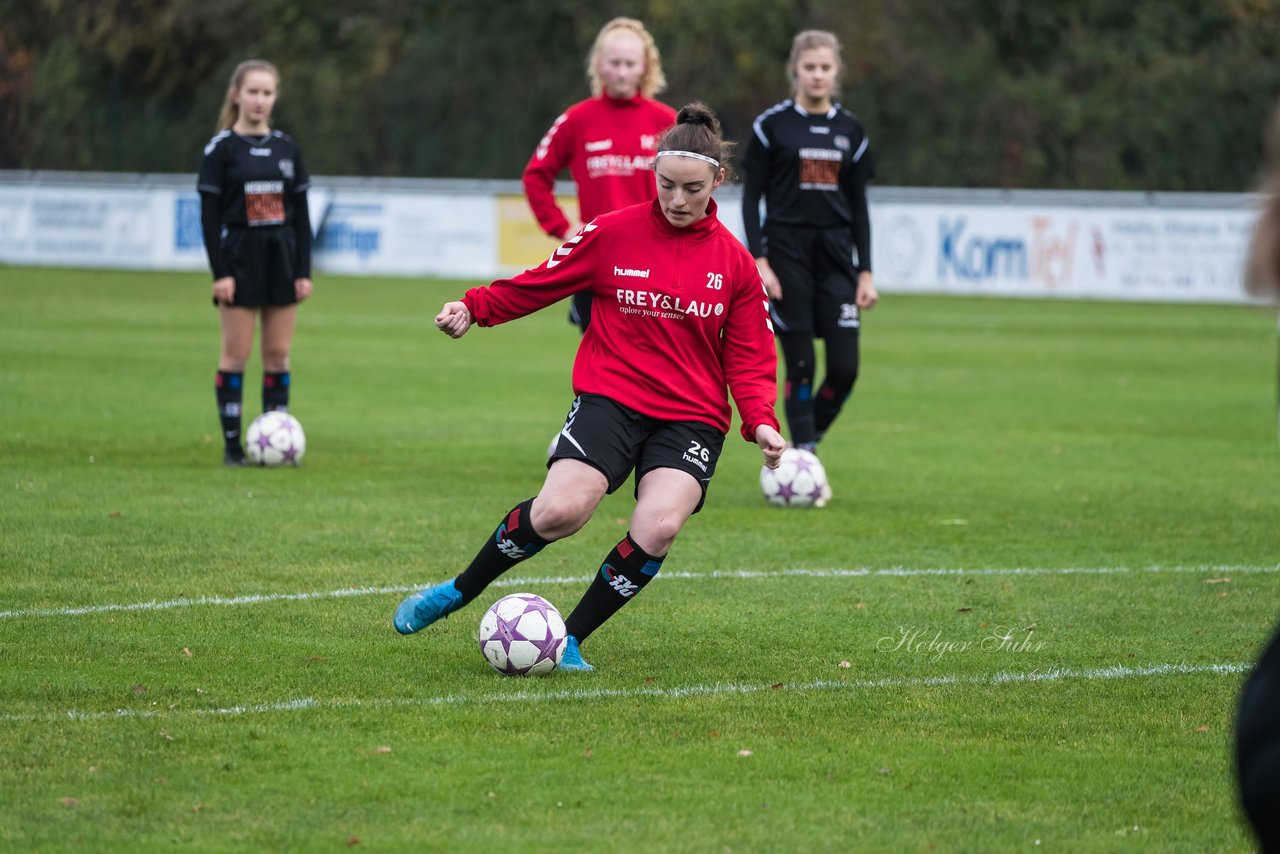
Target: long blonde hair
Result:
[[230, 110], [653, 81], [1262, 268], [809, 40]]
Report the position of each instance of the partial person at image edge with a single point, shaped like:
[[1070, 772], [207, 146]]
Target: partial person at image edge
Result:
[[1258, 718]]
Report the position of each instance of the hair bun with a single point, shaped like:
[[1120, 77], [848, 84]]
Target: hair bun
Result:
[[696, 113], [697, 130]]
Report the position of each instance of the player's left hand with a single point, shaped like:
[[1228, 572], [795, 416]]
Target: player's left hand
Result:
[[771, 443], [867, 296], [302, 288]]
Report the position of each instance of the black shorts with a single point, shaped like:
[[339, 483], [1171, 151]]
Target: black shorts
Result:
[[615, 439], [819, 282], [262, 260], [580, 309]]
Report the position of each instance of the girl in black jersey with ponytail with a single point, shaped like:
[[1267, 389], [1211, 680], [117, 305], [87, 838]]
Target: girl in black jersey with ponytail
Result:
[[809, 159], [257, 232]]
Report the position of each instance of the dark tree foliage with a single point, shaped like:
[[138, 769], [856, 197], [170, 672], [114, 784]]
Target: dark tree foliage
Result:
[[1100, 94]]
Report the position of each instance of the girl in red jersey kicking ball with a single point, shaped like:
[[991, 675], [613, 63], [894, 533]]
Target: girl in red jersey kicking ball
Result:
[[681, 322]]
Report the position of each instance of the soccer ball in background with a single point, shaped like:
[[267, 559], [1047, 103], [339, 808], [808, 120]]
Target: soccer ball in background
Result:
[[522, 635], [798, 481], [275, 439]]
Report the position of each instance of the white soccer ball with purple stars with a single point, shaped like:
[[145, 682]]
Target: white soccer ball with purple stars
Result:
[[522, 635], [275, 439], [798, 481]]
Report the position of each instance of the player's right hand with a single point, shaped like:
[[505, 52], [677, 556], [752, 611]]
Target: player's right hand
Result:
[[771, 443], [224, 290], [454, 319], [772, 286]]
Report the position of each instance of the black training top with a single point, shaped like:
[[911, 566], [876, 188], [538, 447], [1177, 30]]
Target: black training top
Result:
[[812, 170], [254, 182]]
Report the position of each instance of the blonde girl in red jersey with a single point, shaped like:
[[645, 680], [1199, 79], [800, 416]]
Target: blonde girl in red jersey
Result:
[[681, 325], [607, 142]]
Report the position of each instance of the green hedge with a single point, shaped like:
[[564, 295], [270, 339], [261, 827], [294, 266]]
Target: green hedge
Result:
[[1100, 94]]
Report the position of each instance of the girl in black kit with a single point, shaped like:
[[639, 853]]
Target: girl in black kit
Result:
[[1258, 717], [257, 231], [808, 157]]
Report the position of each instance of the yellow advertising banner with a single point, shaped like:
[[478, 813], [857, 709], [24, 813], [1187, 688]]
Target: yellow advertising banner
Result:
[[521, 242]]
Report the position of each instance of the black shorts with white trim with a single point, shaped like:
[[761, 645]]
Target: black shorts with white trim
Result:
[[819, 282], [616, 440]]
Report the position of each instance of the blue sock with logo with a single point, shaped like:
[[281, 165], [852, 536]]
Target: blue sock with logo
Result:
[[229, 389], [624, 573], [513, 541]]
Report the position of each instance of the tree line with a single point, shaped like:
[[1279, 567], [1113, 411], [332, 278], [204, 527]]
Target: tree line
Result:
[[1159, 95]]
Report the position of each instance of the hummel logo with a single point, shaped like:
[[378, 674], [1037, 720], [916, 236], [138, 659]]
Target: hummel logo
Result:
[[567, 246], [545, 144], [629, 271]]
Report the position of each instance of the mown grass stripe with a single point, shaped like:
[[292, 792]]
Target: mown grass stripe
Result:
[[534, 581], [525, 695]]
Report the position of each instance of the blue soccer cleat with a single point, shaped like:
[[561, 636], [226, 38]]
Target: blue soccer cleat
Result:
[[572, 658], [425, 607]]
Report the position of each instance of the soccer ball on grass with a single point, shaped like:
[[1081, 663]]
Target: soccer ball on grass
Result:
[[275, 439], [798, 481], [522, 635]]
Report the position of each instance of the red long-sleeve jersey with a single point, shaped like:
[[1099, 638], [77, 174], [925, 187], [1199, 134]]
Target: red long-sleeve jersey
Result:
[[681, 319], [608, 145]]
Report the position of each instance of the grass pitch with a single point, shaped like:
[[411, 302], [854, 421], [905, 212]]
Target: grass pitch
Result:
[[1021, 624]]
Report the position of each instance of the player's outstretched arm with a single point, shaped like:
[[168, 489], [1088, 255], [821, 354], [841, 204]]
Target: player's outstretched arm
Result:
[[771, 443], [454, 319]]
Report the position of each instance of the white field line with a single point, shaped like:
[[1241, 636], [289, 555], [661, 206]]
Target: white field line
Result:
[[535, 581], [525, 695]]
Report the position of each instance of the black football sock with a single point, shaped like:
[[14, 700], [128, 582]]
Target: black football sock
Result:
[[229, 388], [513, 541], [828, 405], [623, 574], [798, 404], [842, 374], [797, 395], [275, 392]]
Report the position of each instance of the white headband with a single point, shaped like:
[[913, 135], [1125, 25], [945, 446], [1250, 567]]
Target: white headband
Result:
[[695, 155]]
